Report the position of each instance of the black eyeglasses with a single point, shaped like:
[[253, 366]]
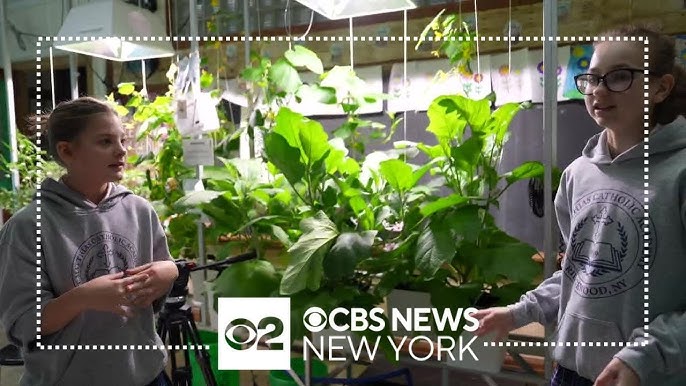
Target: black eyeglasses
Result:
[[616, 80]]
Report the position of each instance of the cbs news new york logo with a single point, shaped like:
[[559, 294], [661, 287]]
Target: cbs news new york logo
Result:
[[245, 322]]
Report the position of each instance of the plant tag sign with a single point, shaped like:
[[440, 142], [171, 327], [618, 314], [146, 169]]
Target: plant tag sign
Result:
[[198, 152]]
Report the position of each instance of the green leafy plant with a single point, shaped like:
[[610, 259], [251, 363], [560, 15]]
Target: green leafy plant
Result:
[[450, 245], [33, 165], [158, 173], [458, 42]]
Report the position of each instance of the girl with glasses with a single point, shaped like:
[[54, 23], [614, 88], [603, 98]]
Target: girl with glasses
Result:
[[617, 306]]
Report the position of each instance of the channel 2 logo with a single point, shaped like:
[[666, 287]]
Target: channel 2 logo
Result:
[[244, 323]]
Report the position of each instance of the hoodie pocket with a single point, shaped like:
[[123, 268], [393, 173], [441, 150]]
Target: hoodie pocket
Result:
[[586, 344]]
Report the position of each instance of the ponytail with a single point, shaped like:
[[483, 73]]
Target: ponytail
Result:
[[675, 104]]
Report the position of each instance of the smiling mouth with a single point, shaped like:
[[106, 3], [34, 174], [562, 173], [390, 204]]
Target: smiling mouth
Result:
[[603, 108]]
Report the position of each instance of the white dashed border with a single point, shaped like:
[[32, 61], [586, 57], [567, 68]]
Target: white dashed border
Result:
[[646, 192], [581, 39]]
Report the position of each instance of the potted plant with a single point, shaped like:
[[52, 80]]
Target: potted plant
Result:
[[449, 247]]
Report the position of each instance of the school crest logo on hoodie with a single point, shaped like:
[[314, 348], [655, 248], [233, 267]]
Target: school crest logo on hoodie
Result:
[[606, 254], [101, 254]]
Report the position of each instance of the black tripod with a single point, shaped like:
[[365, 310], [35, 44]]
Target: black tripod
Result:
[[176, 323]]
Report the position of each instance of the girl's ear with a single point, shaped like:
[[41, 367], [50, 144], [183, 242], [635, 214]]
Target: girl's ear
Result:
[[66, 152], [664, 87]]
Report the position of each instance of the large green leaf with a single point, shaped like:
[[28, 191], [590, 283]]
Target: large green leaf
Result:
[[255, 278], [526, 170], [225, 213], [501, 119], [466, 156], [288, 123], [397, 173], [252, 74], [284, 76], [305, 269], [282, 236], [216, 173], [465, 222], [445, 125], [334, 160], [314, 141], [477, 112], [126, 88], [194, 199], [505, 260], [435, 247], [442, 203], [310, 93], [431, 151], [285, 157], [300, 56], [448, 116], [348, 250]]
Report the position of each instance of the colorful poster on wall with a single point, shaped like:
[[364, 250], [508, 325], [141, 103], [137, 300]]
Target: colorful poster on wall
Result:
[[680, 42], [510, 74], [476, 84], [579, 60], [426, 80], [362, 81], [536, 65]]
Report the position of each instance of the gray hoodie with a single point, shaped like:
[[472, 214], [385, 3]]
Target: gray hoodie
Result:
[[80, 241], [600, 289]]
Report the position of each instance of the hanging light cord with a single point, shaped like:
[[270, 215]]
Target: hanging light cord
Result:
[[287, 22], [509, 39], [405, 93], [308, 27], [476, 27]]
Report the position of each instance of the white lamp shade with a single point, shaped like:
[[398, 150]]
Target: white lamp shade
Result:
[[114, 30], [344, 9]]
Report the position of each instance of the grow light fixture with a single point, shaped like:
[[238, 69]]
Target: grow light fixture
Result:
[[111, 23], [345, 9]]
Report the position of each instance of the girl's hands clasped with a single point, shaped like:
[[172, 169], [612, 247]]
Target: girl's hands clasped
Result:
[[108, 293], [153, 281]]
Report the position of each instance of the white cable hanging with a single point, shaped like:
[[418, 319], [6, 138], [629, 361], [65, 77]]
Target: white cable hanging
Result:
[[405, 72], [476, 30], [352, 67], [52, 79], [509, 39]]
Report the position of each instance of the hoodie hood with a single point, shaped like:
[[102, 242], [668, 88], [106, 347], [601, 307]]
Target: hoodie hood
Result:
[[664, 138], [74, 202]]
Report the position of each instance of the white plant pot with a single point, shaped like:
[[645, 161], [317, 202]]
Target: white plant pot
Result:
[[489, 359], [402, 300]]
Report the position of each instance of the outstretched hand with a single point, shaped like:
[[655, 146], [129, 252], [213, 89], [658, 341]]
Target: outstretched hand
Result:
[[496, 319], [154, 281], [617, 373]]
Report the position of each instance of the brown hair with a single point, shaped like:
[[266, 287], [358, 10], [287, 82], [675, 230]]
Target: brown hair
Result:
[[662, 58], [68, 120]]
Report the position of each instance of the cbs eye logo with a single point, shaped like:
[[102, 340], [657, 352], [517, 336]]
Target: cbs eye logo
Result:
[[315, 319], [245, 336], [245, 322]]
